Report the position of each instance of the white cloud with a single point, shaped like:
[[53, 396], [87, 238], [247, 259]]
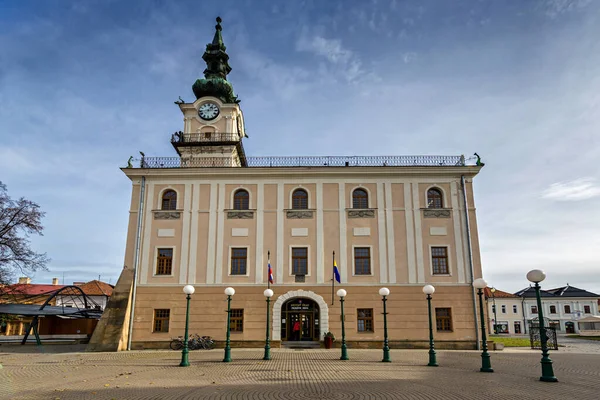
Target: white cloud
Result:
[[344, 62], [331, 49], [579, 189]]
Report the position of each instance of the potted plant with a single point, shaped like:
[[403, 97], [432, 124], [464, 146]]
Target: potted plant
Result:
[[329, 338]]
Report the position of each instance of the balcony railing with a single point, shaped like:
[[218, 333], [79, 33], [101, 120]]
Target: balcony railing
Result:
[[309, 161], [183, 139]]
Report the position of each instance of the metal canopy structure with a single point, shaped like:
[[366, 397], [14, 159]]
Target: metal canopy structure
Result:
[[84, 307]]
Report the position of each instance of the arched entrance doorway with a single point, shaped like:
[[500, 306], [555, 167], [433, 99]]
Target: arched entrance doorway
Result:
[[300, 320], [280, 315]]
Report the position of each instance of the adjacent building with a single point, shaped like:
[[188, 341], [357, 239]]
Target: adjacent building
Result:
[[564, 306], [14, 325], [505, 312], [213, 217]]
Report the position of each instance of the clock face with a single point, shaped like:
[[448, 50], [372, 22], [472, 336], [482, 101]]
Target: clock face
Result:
[[208, 111]]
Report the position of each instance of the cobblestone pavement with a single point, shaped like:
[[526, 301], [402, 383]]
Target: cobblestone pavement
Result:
[[291, 374]]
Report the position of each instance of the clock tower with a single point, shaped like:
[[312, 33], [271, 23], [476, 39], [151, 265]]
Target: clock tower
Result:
[[214, 123]]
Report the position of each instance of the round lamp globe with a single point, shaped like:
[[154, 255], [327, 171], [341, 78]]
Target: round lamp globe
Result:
[[479, 283], [189, 289], [536, 275], [428, 289]]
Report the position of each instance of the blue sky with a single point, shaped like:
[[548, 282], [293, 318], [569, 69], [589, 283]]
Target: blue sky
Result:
[[84, 85]]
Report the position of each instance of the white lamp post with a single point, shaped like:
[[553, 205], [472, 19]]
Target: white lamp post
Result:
[[189, 291], [536, 276], [486, 365], [268, 293], [229, 292]]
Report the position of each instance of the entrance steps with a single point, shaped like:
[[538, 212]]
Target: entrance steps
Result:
[[308, 345]]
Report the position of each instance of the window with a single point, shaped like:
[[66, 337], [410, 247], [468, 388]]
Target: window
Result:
[[434, 198], [161, 320], [360, 199], [587, 309], [503, 309], [300, 199], [239, 257], [299, 261], [567, 309], [241, 200], [365, 319], [517, 327], [362, 261], [514, 309], [164, 262], [169, 200], [552, 309], [534, 309], [443, 319], [236, 320], [439, 260]]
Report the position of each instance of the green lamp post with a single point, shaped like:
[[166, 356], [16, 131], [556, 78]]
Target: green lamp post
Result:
[[536, 276], [342, 293], [493, 290], [189, 291], [229, 292], [486, 365], [268, 294], [384, 292], [429, 290]]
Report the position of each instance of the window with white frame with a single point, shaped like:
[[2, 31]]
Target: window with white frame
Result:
[[299, 261], [362, 261], [239, 260]]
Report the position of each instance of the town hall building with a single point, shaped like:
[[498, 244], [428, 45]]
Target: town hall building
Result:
[[214, 217]]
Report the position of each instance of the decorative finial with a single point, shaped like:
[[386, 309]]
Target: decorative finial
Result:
[[219, 20]]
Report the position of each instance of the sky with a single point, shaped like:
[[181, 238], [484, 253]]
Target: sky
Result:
[[86, 84]]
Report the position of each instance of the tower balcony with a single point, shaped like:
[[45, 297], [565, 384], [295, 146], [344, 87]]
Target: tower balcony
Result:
[[307, 161], [204, 138]]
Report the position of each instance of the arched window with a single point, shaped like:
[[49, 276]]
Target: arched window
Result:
[[300, 199], [434, 198], [169, 200], [360, 198], [241, 200]]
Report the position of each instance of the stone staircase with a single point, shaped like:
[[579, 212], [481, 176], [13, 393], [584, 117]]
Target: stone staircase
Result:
[[303, 345]]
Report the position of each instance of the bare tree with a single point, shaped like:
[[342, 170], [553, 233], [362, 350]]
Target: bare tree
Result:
[[18, 219]]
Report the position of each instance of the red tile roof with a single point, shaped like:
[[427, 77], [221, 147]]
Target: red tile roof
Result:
[[497, 294], [97, 288], [30, 289], [91, 288]]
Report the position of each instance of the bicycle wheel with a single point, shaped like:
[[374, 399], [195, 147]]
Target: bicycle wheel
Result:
[[176, 344]]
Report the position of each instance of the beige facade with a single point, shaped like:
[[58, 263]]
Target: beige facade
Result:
[[388, 240], [397, 228]]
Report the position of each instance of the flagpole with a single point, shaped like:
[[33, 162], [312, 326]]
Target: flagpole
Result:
[[333, 278], [268, 274]]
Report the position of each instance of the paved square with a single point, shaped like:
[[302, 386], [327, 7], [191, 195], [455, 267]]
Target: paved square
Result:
[[291, 374]]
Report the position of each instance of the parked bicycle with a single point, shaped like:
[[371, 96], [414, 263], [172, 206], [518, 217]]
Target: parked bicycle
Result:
[[195, 342]]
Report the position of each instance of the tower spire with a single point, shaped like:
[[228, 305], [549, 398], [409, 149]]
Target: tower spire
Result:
[[217, 67]]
